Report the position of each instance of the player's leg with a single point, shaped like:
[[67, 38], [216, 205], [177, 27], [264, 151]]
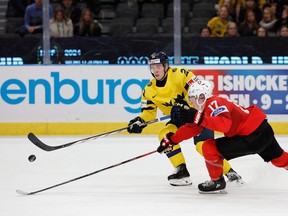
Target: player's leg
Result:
[[230, 173], [273, 152], [226, 165], [214, 151], [214, 164], [181, 176], [281, 161]]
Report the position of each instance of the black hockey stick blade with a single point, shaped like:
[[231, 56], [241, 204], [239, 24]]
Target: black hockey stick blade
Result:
[[36, 141], [84, 176]]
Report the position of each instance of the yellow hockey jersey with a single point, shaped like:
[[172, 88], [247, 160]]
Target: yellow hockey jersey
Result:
[[163, 98]]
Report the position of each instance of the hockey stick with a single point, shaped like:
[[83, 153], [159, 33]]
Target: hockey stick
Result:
[[36, 141], [84, 176]]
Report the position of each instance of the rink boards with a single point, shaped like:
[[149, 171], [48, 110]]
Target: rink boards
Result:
[[94, 99]]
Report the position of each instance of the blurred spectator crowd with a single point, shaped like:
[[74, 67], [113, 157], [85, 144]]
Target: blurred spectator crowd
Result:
[[149, 18]]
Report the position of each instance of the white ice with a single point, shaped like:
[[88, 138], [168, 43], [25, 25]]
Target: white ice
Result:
[[138, 188]]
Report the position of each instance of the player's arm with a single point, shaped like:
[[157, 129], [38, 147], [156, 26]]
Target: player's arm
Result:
[[221, 122], [148, 112], [190, 78], [216, 116], [186, 132], [183, 133]]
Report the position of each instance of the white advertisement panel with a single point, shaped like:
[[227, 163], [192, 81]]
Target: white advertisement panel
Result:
[[112, 93], [71, 93]]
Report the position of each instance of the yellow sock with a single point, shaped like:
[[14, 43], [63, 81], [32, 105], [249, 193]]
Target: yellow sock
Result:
[[226, 165], [176, 157]]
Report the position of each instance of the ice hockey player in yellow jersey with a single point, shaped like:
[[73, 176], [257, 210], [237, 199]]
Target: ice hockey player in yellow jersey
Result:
[[169, 86]]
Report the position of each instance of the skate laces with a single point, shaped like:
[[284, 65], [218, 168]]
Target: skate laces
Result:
[[233, 176], [208, 183]]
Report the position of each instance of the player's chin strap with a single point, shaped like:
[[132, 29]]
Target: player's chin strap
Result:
[[202, 105], [165, 74]]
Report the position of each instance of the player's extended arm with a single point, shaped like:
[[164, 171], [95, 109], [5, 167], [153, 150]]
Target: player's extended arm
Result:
[[183, 133], [186, 132], [221, 122]]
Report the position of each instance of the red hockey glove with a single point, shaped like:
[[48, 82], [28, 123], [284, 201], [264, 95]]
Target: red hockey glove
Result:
[[166, 144]]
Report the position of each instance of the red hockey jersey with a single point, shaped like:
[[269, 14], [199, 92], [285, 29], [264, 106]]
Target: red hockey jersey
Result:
[[224, 116]]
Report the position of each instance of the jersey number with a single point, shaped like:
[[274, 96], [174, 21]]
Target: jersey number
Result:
[[213, 106]]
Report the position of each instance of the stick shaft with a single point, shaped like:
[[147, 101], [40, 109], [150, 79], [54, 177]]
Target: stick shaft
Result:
[[86, 175], [36, 141]]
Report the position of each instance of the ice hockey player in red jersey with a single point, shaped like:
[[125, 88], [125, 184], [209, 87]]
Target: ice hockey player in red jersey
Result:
[[246, 131]]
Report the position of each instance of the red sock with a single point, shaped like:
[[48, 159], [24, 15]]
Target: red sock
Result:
[[213, 159], [215, 168], [281, 161]]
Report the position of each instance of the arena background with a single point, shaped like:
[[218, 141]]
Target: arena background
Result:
[[130, 51]]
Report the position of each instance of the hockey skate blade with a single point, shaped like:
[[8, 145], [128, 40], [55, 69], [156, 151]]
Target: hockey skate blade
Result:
[[22, 192], [238, 183], [213, 192], [181, 182]]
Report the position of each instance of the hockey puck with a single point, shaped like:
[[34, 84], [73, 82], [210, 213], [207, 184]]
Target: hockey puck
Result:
[[32, 158]]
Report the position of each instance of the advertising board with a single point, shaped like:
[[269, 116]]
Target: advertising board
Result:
[[111, 95]]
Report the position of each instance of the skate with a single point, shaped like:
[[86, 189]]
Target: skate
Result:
[[213, 187], [234, 177], [180, 177]]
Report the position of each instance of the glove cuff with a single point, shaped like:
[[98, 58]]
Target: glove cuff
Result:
[[169, 136], [198, 118]]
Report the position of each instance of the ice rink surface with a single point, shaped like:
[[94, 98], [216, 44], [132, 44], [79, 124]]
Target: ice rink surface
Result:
[[136, 188]]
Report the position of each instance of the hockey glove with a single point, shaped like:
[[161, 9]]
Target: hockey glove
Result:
[[178, 122], [135, 126], [166, 144], [180, 102], [186, 115]]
